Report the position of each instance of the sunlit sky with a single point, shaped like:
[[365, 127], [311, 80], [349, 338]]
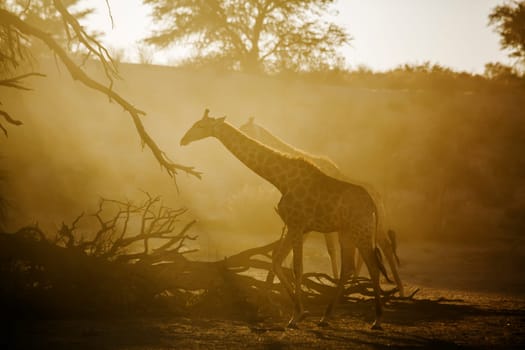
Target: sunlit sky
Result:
[[386, 33]]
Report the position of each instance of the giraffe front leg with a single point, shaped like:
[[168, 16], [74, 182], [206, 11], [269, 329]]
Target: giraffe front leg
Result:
[[278, 256], [299, 312], [347, 267]]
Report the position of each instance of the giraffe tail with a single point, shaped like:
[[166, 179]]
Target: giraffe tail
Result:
[[393, 242], [380, 264], [378, 256]]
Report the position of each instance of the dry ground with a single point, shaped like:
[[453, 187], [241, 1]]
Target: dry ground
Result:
[[436, 319], [468, 298]]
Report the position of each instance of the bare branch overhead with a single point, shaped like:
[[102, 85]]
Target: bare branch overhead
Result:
[[11, 23]]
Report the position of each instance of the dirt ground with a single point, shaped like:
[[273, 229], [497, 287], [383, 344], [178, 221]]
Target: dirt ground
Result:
[[468, 298], [435, 319]]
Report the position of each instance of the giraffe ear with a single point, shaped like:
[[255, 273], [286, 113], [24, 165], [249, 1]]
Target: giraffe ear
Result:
[[221, 120], [250, 120]]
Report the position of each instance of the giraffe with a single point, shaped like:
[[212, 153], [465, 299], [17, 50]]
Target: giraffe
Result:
[[310, 201], [385, 240], [326, 165]]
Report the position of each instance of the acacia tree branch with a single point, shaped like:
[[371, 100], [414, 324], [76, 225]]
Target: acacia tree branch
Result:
[[91, 44], [77, 73], [10, 120], [11, 46], [110, 14], [15, 82]]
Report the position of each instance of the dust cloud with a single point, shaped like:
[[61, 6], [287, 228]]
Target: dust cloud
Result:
[[446, 163]]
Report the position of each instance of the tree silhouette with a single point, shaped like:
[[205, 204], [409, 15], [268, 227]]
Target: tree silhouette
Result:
[[501, 72], [509, 22], [251, 35]]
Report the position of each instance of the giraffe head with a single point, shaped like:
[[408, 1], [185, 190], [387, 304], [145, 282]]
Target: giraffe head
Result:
[[249, 128], [201, 129]]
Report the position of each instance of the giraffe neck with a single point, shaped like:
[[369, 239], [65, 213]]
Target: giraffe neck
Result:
[[266, 162], [273, 141]]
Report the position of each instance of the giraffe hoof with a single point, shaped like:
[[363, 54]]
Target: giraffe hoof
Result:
[[292, 324], [323, 323], [377, 327], [303, 315], [297, 318]]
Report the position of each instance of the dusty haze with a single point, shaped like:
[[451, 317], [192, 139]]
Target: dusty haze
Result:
[[447, 163]]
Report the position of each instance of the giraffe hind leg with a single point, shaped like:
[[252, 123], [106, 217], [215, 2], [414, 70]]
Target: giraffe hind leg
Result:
[[278, 256], [359, 264], [331, 247], [370, 259]]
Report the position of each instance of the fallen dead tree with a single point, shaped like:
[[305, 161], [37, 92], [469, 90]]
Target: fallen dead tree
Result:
[[133, 258]]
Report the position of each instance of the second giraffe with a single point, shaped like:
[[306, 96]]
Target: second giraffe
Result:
[[385, 240]]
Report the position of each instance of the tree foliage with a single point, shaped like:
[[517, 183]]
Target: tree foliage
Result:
[[509, 22], [502, 72], [43, 14], [251, 35]]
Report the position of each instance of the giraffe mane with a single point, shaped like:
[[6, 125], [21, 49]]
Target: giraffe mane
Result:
[[289, 149], [299, 157]]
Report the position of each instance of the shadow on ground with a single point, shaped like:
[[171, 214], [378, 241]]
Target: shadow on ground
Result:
[[480, 321]]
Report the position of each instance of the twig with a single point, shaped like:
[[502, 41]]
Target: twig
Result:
[[110, 14], [15, 82]]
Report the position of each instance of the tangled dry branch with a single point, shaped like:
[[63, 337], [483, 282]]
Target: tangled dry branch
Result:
[[123, 226], [137, 254]]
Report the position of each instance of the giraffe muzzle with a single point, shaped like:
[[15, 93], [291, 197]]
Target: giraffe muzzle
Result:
[[184, 141]]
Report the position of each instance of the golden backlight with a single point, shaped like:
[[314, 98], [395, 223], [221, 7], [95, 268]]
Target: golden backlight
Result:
[[384, 32], [408, 151]]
